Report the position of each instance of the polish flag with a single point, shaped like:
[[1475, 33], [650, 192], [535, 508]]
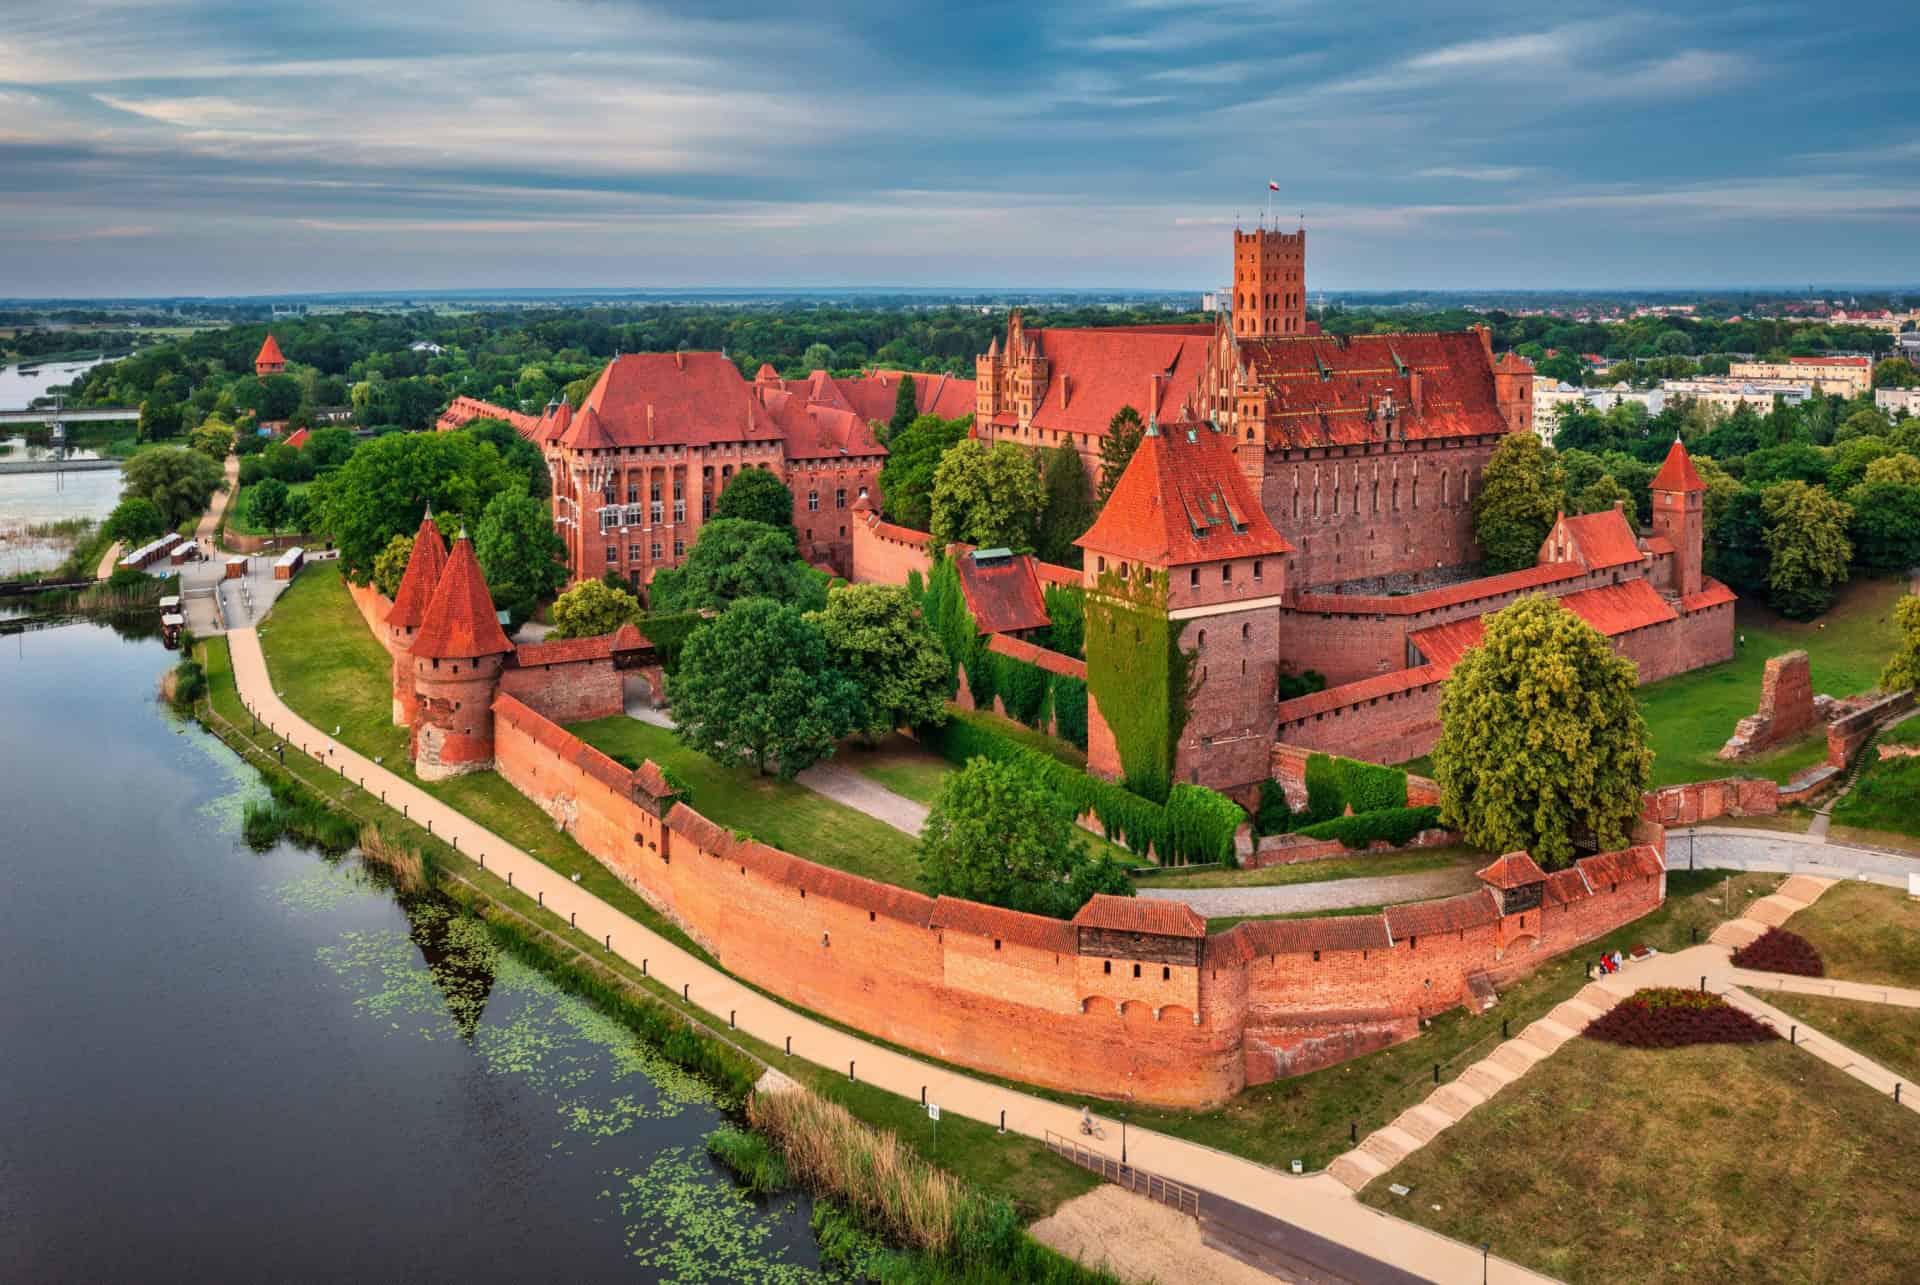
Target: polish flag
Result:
[[1272, 186]]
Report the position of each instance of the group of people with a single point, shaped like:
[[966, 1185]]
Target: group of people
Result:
[[1610, 962]]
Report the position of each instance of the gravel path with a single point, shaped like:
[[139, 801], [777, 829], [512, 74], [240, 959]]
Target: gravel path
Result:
[[1337, 894], [1728, 848]]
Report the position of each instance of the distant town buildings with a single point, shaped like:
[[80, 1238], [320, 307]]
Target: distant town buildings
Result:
[[1898, 401], [1550, 396], [1830, 376], [1728, 393]]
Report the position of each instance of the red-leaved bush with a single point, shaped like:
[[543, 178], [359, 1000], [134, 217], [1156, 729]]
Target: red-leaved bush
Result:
[[1668, 1018], [1779, 951]]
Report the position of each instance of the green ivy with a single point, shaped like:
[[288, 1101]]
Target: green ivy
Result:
[[1139, 676], [1070, 709], [1274, 815], [1326, 795], [1067, 610], [1335, 784], [669, 634], [1392, 825]]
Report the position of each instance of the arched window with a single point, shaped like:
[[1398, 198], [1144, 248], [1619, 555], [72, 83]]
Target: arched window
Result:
[[1201, 641]]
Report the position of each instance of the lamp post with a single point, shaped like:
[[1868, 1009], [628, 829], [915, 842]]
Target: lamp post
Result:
[[1485, 1249], [1123, 1138]]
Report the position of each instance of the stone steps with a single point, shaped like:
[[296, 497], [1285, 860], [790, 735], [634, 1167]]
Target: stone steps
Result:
[[1389, 1144], [1546, 1034], [1805, 889], [1487, 1082], [1516, 1057], [1736, 933], [1574, 1014], [1598, 996], [1355, 1170], [1772, 911], [1455, 1099], [1422, 1122]]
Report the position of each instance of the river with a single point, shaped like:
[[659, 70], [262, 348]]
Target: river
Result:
[[222, 1064], [32, 499]]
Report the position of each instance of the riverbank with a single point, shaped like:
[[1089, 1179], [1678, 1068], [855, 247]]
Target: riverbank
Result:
[[1016, 1170]]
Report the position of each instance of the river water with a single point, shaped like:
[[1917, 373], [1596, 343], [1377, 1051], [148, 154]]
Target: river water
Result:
[[31, 499], [222, 1064]]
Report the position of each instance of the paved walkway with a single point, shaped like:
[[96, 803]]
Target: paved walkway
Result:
[[108, 561], [1784, 852], [1318, 1203], [1332, 894], [217, 506]]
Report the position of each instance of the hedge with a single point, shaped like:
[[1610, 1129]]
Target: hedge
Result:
[[1274, 815], [1197, 824], [1335, 784], [1392, 825]]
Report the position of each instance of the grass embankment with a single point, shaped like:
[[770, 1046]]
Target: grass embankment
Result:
[[1711, 1163], [1881, 801], [1864, 933], [1225, 922], [1010, 1166], [1691, 715], [783, 813], [1886, 1033], [1332, 869]]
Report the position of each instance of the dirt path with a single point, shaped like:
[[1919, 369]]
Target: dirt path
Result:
[[1337, 894], [109, 561], [217, 507], [1140, 1240]]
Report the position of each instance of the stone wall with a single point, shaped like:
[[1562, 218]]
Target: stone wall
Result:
[[1846, 734], [1786, 708], [883, 553], [1702, 801], [570, 692], [1291, 849]]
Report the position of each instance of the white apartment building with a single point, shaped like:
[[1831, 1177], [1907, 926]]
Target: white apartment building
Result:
[[1830, 376], [1898, 401], [1726, 392], [1551, 395]]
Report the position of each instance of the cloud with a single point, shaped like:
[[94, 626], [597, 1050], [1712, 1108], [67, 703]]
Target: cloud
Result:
[[1477, 173]]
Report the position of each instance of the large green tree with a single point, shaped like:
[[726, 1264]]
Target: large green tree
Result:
[[1902, 672], [999, 835], [177, 479], [383, 490], [758, 686], [1513, 510], [134, 521], [1807, 547], [1885, 527], [520, 552], [267, 504], [758, 496], [1066, 507], [1895, 372], [1736, 552], [1124, 432], [877, 637], [733, 559], [592, 608], [906, 480], [1541, 739], [391, 564], [514, 450], [986, 496], [906, 407]]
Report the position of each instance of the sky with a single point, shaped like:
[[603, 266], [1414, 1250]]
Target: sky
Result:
[[150, 147]]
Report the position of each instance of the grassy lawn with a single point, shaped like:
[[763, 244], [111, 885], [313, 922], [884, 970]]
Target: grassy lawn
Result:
[[1864, 933], [783, 813], [1691, 715], [1883, 798], [1225, 922], [1307, 1117], [237, 519], [901, 765], [1887, 1034], [1329, 870], [1711, 1163]]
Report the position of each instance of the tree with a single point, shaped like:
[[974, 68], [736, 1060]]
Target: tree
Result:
[[1902, 468], [213, 439], [998, 835], [391, 565], [158, 419], [592, 608], [1515, 505], [733, 559], [514, 450], [758, 496], [1736, 552], [519, 552], [177, 479], [1847, 462], [331, 447], [757, 685], [1867, 422], [1066, 505], [876, 637], [817, 357], [1601, 494], [1794, 461], [1541, 739], [267, 504], [1885, 527], [1807, 547], [1895, 372], [906, 480], [1902, 672], [906, 407], [384, 489], [134, 521], [984, 496], [1124, 432]]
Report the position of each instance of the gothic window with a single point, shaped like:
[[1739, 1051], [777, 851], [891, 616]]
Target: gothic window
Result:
[[1445, 479], [1256, 570], [1246, 632], [1336, 491], [813, 501], [1396, 495], [1200, 643], [1193, 580], [840, 497], [1416, 489]]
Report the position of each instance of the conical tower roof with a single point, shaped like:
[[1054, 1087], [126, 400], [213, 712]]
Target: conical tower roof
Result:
[[1678, 473], [460, 622], [424, 565], [270, 354]]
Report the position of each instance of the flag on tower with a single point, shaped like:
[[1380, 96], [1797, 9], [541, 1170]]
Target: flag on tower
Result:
[[1272, 186]]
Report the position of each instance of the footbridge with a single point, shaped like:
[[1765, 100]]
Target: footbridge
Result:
[[69, 415]]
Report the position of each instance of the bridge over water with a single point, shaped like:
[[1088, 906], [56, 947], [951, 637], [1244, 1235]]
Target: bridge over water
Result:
[[68, 415]]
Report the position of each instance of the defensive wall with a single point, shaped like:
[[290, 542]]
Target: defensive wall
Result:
[[884, 553], [1130, 1000]]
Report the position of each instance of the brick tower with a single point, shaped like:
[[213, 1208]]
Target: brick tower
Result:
[[410, 601], [1677, 514], [269, 362], [1269, 283], [458, 653]]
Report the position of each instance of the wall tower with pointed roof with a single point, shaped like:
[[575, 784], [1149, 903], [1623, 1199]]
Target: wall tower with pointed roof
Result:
[[410, 602], [1679, 515], [269, 361], [459, 651]]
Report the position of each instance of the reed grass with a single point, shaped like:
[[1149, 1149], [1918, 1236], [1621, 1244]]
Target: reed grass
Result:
[[408, 867], [752, 1158]]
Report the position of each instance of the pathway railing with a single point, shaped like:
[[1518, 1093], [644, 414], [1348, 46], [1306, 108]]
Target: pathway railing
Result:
[[1151, 1185]]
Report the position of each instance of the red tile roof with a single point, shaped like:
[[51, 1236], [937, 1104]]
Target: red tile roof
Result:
[[269, 354], [298, 438], [1092, 373], [1140, 915], [1468, 910], [1037, 931], [1366, 689], [1514, 870], [1600, 540], [1328, 390], [1677, 472], [1299, 936], [588, 433], [1612, 609], [1183, 499], [1057, 575], [460, 623], [871, 396], [650, 778], [1712, 594], [1051, 661], [1412, 604], [464, 410], [1564, 887], [421, 578], [1444, 645], [1640, 862], [1858, 363], [1003, 595], [563, 651], [629, 638], [815, 429]]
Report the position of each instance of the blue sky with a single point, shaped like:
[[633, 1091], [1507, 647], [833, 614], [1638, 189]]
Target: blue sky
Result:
[[156, 147]]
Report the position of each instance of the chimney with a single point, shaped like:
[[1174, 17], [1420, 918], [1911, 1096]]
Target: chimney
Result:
[[1416, 388], [1066, 389], [679, 361], [649, 421], [1153, 396]]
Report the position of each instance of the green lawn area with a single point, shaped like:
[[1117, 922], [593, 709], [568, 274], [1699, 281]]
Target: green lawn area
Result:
[[1888, 1034], [237, 519], [1882, 799], [1691, 715], [783, 813], [1225, 922], [1333, 868], [1865, 933], [1751, 1162]]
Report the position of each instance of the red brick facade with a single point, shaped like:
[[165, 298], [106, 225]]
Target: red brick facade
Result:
[[1154, 1014]]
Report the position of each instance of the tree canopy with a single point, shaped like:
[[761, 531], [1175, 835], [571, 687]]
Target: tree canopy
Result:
[[176, 479], [1124, 432], [519, 552], [1807, 547], [1902, 672], [986, 496], [876, 636], [734, 559], [906, 407], [385, 487], [758, 686], [267, 504], [592, 608], [1066, 505], [1514, 508], [134, 521], [1541, 739], [391, 564], [757, 495], [906, 480]]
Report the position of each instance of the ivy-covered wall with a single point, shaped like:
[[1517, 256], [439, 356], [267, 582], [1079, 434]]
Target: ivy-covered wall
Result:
[[1139, 675]]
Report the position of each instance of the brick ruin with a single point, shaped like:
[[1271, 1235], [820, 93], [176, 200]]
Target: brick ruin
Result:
[[1786, 708]]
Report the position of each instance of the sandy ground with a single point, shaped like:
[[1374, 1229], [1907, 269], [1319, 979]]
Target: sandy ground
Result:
[[1140, 1240]]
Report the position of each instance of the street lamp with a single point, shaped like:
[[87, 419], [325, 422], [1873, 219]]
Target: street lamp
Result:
[[1485, 1249], [1123, 1137]]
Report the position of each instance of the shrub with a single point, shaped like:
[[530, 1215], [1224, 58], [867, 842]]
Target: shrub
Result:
[[1779, 951], [1326, 798], [1667, 1018], [1390, 825], [1070, 709], [1369, 787], [1274, 816], [1201, 823]]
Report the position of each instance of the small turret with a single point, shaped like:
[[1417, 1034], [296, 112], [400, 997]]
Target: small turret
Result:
[[410, 602], [458, 653], [1679, 515]]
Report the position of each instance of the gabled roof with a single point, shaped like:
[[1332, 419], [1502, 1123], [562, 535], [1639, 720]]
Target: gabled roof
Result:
[[421, 578], [1140, 915], [1002, 590], [1677, 473], [1454, 914], [1038, 931], [1712, 594], [460, 623], [270, 353], [1514, 870], [1331, 390], [1613, 609], [1092, 373], [298, 438], [1600, 540], [588, 433], [1183, 499], [1052, 661], [464, 410], [871, 396]]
